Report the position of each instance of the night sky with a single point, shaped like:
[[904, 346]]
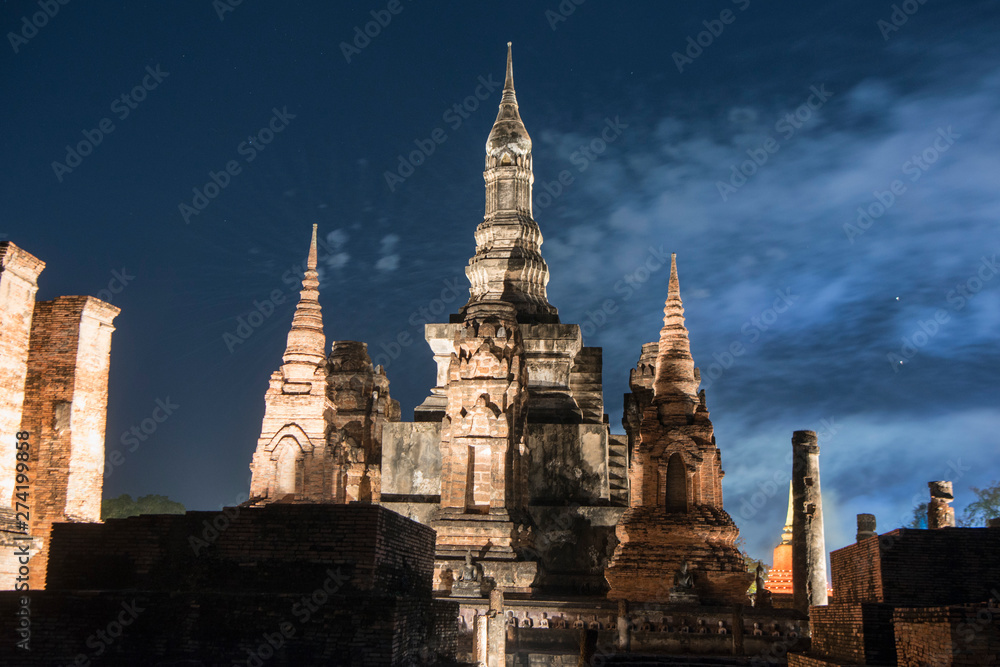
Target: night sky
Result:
[[743, 136]]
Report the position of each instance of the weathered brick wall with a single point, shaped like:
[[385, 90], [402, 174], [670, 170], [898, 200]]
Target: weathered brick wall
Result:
[[919, 567], [343, 584], [940, 567], [804, 660], [66, 404], [230, 629], [18, 284], [945, 636], [277, 547], [857, 576], [853, 633], [65, 409]]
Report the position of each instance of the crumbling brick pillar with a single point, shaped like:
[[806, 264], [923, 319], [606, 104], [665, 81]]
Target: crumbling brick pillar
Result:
[[65, 410], [808, 542], [18, 285], [866, 527], [496, 654], [940, 513]]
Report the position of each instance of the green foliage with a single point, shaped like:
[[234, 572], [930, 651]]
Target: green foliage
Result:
[[919, 519], [123, 506], [985, 507], [751, 564]]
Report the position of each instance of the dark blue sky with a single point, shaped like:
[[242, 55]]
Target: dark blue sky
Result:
[[919, 105]]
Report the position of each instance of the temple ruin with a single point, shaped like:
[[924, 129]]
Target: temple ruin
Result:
[[503, 524], [510, 458], [54, 362]]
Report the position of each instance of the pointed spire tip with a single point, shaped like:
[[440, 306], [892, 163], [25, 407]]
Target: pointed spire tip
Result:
[[311, 261], [508, 84]]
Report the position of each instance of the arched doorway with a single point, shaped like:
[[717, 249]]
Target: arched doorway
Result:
[[287, 480], [676, 500]]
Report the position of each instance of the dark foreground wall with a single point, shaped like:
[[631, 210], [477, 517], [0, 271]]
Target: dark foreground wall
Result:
[[914, 568], [280, 585], [911, 597]]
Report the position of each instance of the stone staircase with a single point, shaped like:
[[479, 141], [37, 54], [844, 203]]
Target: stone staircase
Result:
[[618, 469], [585, 384]]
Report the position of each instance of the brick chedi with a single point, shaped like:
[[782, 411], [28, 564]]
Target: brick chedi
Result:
[[320, 439], [508, 264], [360, 394], [483, 488], [512, 440], [675, 511], [779, 579]]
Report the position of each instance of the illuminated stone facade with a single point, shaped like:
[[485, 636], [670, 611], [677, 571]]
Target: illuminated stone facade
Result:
[[54, 360], [510, 457], [321, 435], [675, 513]]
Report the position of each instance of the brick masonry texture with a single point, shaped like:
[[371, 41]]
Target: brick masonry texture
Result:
[[18, 284], [911, 597], [366, 570], [908, 567], [54, 362]]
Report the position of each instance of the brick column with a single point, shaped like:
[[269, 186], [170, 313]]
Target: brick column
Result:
[[940, 513], [65, 411], [18, 285], [866, 527], [808, 542]]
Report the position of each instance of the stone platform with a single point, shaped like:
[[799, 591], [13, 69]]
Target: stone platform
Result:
[[651, 629]]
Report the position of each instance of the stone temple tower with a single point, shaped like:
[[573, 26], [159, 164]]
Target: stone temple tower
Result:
[[675, 512], [508, 264], [320, 440], [513, 432]]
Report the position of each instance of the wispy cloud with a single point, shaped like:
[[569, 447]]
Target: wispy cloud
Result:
[[785, 228]]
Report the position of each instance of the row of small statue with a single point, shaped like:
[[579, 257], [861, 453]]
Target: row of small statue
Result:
[[640, 625]]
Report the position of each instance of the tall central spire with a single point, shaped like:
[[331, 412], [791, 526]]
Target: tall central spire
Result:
[[508, 265], [675, 381], [509, 134], [306, 341]]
